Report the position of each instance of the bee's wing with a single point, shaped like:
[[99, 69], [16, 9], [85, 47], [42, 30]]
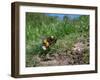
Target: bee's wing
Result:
[[43, 37]]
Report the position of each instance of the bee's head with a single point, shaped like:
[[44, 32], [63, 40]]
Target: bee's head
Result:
[[53, 39]]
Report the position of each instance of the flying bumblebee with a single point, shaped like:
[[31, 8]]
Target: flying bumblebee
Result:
[[47, 42]]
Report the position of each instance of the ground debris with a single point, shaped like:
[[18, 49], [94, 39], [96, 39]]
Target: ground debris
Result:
[[68, 57]]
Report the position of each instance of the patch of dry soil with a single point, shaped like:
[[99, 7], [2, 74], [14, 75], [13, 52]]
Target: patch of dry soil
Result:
[[73, 56]]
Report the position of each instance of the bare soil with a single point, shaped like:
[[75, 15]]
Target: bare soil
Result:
[[67, 57]]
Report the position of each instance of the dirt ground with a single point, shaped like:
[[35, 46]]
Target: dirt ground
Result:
[[68, 57]]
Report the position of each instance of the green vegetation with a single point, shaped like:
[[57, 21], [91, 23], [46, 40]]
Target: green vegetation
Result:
[[68, 33]]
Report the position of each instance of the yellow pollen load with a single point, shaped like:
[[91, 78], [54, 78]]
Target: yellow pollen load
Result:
[[46, 42]]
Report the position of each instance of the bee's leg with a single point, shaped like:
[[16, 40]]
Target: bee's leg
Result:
[[42, 54], [45, 55]]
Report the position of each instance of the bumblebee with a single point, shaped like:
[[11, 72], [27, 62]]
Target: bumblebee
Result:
[[47, 42]]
